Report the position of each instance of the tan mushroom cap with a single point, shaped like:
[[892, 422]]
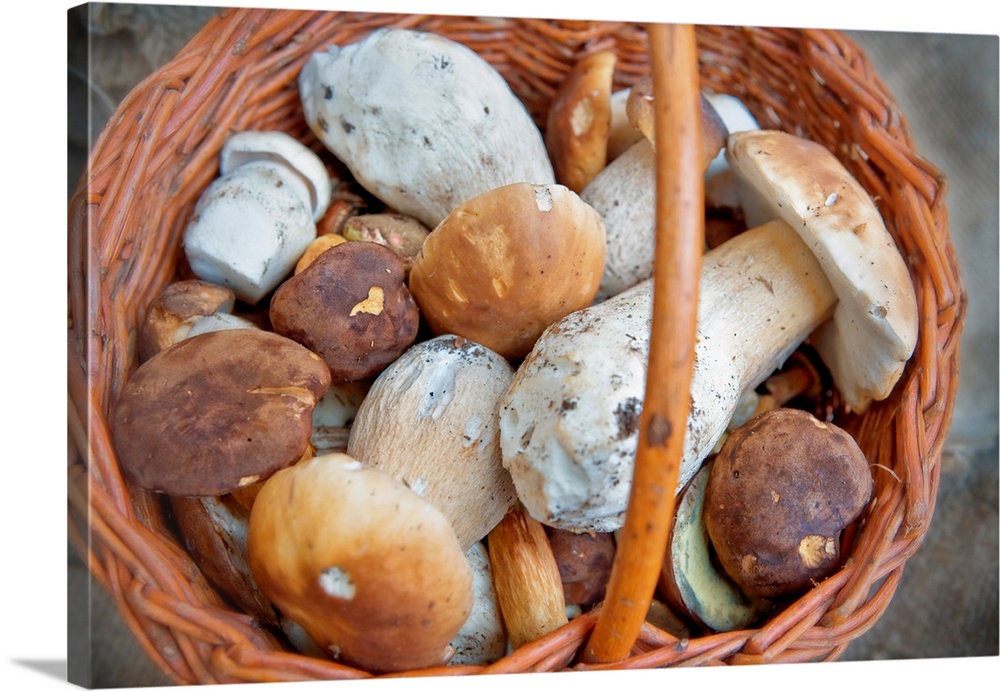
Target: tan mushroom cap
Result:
[[874, 327], [506, 264], [176, 309], [639, 108], [579, 120], [373, 572], [217, 412]]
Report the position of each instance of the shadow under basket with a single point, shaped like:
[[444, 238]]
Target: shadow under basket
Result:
[[160, 150]]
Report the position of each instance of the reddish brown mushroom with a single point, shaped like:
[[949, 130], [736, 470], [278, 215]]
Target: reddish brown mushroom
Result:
[[217, 411], [781, 490], [350, 306]]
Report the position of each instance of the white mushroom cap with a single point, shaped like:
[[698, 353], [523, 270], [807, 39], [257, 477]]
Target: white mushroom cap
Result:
[[280, 147], [249, 228], [423, 122], [430, 420], [874, 327]]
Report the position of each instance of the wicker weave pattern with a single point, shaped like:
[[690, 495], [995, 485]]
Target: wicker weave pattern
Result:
[[160, 150]]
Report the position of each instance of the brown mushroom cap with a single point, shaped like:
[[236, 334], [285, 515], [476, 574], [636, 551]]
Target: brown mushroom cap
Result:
[[640, 112], [781, 490], [579, 120], [506, 264], [585, 561], [217, 412], [350, 306], [173, 312], [372, 571]]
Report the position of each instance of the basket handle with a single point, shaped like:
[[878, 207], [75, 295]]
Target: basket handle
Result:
[[680, 228]]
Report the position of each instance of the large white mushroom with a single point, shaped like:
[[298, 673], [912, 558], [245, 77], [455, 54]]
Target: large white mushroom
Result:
[[569, 421], [430, 420], [423, 122]]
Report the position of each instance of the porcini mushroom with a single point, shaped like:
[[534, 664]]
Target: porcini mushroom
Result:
[[623, 194], [780, 492], [248, 229], [507, 263], [369, 569], [252, 223], [584, 561], [639, 108], [874, 326], [690, 581], [351, 307], [274, 145], [176, 309], [430, 420], [404, 235], [217, 412], [423, 122], [579, 120], [568, 422]]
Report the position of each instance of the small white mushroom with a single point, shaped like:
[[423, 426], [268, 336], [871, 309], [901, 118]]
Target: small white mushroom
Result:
[[423, 122], [273, 145], [430, 420], [248, 229]]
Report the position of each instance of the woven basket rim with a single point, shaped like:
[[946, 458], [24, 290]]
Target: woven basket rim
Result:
[[182, 623]]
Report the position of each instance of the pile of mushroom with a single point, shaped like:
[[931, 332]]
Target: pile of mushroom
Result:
[[422, 418]]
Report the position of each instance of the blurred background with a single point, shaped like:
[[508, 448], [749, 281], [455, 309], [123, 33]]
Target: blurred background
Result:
[[947, 85]]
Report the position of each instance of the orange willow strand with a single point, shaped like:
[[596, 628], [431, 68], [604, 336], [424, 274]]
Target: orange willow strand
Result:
[[677, 268]]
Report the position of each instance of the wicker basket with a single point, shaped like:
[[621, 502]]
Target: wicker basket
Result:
[[160, 150]]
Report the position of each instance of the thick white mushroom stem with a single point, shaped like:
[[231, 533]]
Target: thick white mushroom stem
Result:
[[569, 420]]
